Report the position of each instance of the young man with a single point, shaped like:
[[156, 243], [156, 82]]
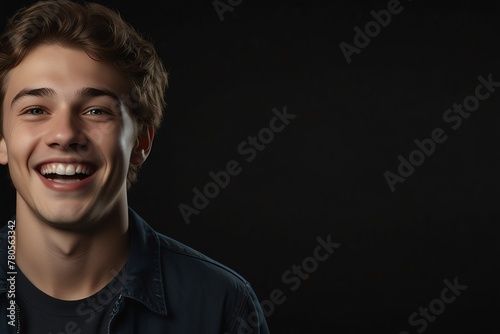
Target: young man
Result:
[[82, 95]]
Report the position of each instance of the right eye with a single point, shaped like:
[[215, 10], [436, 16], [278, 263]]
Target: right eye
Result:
[[34, 111]]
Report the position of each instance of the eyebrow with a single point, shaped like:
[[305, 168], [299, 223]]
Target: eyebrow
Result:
[[38, 92], [89, 92], [86, 92]]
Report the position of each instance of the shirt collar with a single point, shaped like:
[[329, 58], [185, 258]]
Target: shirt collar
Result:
[[143, 272]]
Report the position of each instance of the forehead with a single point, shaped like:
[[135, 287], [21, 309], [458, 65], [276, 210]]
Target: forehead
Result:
[[64, 70]]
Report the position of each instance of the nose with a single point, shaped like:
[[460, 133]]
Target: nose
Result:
[[65, 131]]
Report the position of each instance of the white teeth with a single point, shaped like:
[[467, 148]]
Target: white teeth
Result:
[[65, 169], [70, 170], [61, 170]]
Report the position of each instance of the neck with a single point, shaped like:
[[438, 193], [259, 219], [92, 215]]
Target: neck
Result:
[[71, 264]]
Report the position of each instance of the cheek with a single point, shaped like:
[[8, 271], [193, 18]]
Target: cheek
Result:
[[3, 152], [129, 134], [21, 141], [117, 144], [20, 145]]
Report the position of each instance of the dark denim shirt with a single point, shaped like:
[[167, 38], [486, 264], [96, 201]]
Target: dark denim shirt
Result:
[[168, 288]]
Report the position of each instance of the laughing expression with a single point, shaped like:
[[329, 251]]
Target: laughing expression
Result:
[[68, 138]]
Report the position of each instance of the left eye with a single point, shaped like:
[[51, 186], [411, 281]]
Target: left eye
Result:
[[96, 111], [35, 111]]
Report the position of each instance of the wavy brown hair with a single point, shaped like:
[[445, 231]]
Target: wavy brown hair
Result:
[[105, 36]]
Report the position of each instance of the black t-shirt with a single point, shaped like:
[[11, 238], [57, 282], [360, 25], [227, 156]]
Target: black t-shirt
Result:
[[43, 314]]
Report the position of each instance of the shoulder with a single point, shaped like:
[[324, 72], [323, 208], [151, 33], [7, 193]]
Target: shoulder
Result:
[[191, 277], [184, 260], [186, 274]]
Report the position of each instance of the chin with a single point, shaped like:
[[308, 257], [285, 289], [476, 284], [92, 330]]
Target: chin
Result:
[[65, 216]]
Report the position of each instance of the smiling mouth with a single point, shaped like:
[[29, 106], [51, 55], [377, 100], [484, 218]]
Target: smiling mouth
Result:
[[66, 173]]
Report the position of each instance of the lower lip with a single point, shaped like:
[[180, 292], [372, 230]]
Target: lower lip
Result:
[[66, 187]]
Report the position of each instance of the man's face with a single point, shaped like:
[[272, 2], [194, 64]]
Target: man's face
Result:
[[67, 138]]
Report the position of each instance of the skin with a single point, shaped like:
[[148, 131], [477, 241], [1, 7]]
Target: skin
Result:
[[71, 239]]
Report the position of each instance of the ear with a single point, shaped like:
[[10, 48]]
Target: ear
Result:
[[4, 159], [142, 147]]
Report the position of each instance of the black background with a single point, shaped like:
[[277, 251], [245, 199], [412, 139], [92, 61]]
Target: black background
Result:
[[323, 174]]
